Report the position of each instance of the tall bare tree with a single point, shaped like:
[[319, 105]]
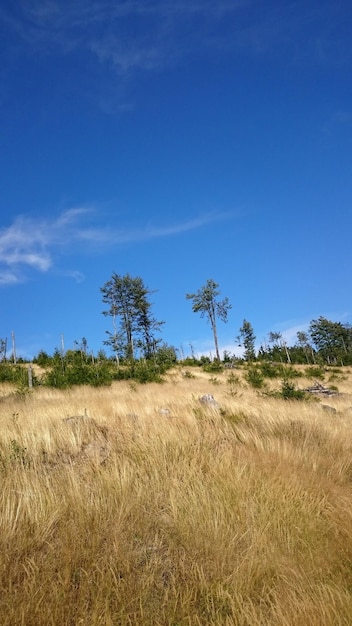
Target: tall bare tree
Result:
[[205, 302]]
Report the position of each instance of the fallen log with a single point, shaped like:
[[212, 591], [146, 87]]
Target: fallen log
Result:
[[318, 388]]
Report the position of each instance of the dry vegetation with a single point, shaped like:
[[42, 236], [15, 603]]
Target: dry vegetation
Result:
[[236, 515]]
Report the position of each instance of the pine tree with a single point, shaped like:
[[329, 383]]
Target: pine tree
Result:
[[246, 339], [129, 306]]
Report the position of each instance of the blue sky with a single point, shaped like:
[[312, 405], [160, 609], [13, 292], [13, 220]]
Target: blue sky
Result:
[[177, 141]]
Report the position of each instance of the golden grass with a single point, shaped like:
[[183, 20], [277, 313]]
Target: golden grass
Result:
[[237, 515]]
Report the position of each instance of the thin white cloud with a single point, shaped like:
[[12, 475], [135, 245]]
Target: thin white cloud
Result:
[[155, 232], [176, 229], [205, 347], [33, 243], [78, 276], [104, 27], [147, 232], [69, 216], [8, 277], [141, 34], [289, 335]]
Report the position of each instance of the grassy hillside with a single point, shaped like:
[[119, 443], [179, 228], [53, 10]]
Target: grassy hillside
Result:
[[147, 508]]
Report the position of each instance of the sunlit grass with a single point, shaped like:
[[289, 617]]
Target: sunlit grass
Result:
[[131, 514]]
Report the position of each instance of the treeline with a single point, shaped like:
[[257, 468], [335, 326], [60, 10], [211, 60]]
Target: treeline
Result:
[[325, 343], [137, 351]]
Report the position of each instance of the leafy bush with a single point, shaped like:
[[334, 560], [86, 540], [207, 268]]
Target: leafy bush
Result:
[[291, 372], [233, 382], [16, 374], [213, 366], [187, 374], [191, 362], [315, 371], [269, 370], [233, 418], [272, 370], [255, 377], [63, 375], [42, 359], [166, 356], [146, 372], [76, 370], [55, 377], [18, 454], [288, 391]]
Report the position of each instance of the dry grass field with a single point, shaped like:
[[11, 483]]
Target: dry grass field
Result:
[[146, 508]]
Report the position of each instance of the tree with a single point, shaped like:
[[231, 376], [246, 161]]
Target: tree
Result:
[[333, 340], [205, 303], [275, 338], [3, 349], [246, 339], [303, 344], [129, 306]]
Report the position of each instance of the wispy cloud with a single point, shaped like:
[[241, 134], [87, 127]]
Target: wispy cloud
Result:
[[150, 34], [8, 277], [32, 244], [132, 34], [145, 232]]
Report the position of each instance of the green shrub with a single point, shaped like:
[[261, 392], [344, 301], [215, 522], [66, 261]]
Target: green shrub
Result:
[[233, 418], [315, 371], [291, 372], [288, 391], [269, 370], [146, 372], [255, 377], [213, 366], [233, 382], [187, 374], [63, 375], [42, 359], [16, 374], [18, 454]]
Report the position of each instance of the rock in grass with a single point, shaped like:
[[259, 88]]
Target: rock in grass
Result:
[[328, 409], [208, 400]]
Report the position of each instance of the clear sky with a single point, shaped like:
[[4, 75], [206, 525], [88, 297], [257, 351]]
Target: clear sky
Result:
[[176, 140]]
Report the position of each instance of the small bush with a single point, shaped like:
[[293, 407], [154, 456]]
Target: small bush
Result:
[[18, 454], [191, 362], [291, 372], [315, 371], [146, 372], [233, 418], [188, 374], [269, 370], [17, 374], [233, 382], [214, 366], [255, 377], [288, 392]]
